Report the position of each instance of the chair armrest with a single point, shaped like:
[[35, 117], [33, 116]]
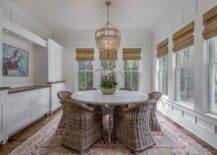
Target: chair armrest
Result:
[[85, 106], [131, 107], [136, 106]]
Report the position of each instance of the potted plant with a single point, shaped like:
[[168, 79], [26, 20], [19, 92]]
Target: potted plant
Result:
[[108, 87]]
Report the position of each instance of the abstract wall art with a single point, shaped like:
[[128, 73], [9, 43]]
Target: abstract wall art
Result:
[[15, 61]]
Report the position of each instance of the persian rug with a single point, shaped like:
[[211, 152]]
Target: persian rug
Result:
[[169, 141]]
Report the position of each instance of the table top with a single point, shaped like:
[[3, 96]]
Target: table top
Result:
[[119, 98]]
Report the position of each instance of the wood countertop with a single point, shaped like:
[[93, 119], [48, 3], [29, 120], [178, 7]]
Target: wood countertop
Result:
[[4, 88], [28, 88]]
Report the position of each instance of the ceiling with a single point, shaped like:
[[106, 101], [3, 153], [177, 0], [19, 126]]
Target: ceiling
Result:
[[84, 15]]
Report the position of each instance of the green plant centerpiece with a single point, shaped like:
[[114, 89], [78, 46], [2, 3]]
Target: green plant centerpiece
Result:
[[108, 83], [108, 87]]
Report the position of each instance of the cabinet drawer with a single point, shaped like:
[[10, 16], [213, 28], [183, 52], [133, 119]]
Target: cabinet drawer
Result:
[[12, 111], [18, 122]]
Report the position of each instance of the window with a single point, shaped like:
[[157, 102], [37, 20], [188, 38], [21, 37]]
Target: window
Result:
[[85, 75], [108, 65], [212, 48], [131, 74], [185, 76], [163, 75]]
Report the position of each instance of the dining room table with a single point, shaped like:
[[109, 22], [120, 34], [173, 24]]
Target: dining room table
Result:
[[119, 98]]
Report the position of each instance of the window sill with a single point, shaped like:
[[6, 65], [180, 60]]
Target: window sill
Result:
[[179, 103], [165, 97], [214, 116]]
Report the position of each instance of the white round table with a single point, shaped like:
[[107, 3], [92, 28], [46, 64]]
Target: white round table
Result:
[[121, 97]]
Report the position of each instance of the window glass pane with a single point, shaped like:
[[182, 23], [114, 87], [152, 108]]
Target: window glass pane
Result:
[[131, 74], [108, 65], [212, 47], [165, 82], [89, 80], [85, 75], [127, 79], [81, 65], [88, 65], [135, 80], [81, 81], [104, 64], [190, 85], [214, 103], [215, 48], [111, 64], [185, 75], [163, 75]]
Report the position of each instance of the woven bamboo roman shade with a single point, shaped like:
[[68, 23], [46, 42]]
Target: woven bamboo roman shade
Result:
[[210, 23], [162, 48], [108, 55], [84, 54], [131, 53], [183, 38]]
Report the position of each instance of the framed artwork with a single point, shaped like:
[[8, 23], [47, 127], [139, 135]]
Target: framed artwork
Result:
[[15, 61]]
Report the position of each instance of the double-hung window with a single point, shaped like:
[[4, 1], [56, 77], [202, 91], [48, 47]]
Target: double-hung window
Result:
[[163, 75], [183, 46], [162, 55], [185, 76], [131, 74], [210, 35], [84, 57], [212, 48], [85, 75], [131, 57]]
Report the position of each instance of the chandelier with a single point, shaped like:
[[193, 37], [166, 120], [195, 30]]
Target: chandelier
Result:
[[108, 37]]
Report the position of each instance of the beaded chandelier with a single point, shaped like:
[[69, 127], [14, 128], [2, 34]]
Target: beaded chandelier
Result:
[[108, 37]]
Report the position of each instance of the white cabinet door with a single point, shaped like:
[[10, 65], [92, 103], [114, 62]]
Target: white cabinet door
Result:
[[40, 103], [17, 114], [55, 102]]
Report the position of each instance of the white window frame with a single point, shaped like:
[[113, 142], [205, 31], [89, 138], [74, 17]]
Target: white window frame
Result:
[[163, 70], [131, 73], [177, 83], [85, 71], [211, 65]]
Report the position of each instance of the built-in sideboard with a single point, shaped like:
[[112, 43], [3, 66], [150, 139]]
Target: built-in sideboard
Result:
[[19, 107]]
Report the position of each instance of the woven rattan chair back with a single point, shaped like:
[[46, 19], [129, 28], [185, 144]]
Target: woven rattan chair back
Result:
[[64, 95], [83, 125], [155, 95], [131, 126]]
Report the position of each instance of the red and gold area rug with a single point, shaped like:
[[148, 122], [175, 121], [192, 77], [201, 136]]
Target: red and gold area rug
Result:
[[170, 141]]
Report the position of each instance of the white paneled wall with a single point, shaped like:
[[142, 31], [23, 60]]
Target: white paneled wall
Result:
[[196, 119], [55, 61], [130, 39], [13, 13], [10, 81]]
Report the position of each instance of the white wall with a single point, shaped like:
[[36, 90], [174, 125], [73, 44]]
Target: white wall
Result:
[[10, 81], [12, 13], [130, 39], [55, 61], [195, 119], [40, 65]]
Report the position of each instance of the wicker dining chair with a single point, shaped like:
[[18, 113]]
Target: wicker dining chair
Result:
[[154, 123], [64, 95], [131, 126], [83, 125]]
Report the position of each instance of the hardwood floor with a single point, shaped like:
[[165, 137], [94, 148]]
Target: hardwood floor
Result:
[[20, 137]]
